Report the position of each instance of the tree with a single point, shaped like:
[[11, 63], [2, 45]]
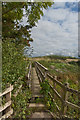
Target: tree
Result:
[[12, 14]]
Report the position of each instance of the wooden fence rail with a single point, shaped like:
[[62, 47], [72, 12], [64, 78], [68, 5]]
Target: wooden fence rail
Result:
[[5, 110], [65, 88]]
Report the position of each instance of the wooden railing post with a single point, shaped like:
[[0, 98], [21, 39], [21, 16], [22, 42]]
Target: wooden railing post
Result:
[[65, 98], [8, 98]]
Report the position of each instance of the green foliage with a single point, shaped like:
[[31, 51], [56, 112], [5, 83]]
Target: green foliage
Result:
[[45, 87], [13, 65], [12, 17], [45, 90], [20, 104]]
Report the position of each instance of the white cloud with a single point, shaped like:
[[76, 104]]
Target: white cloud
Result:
[[57, 32]]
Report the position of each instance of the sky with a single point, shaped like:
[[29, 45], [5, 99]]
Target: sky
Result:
[[57, 31]]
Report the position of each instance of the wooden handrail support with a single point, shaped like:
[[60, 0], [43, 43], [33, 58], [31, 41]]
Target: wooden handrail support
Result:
[[7, 106], [65, 87], [65, 98]]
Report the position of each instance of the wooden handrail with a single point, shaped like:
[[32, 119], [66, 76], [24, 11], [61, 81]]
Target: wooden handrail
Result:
[[7, 106], [41, 72], [29, 75], [6, 91], [72, 90], [58, 95], [55, 80], [7, 115], [59, 83], [72, 105], [42, 66], [54, 101], [29, 71], [65, 87], [39, 77]]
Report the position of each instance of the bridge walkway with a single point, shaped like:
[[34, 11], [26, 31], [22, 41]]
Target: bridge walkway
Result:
[[39, 109]]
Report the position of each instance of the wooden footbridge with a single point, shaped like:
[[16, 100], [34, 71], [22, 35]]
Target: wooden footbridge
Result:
[[39, 109], [39, 74], [58, 94]]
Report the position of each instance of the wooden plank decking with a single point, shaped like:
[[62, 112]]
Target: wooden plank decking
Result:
[[39, 109]]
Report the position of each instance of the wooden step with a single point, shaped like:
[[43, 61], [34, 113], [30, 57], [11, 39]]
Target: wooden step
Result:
[[40, 115], [37, 96], [37, 107]]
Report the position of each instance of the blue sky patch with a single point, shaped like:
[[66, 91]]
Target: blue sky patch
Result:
[[73, 6]]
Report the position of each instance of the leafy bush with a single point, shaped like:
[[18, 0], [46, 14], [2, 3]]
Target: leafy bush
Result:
[[20, 104], [13, 65]]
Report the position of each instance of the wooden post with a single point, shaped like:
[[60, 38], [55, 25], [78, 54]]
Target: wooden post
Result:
[[45, 75], [0, 105], [8, 98], [65, 98]]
